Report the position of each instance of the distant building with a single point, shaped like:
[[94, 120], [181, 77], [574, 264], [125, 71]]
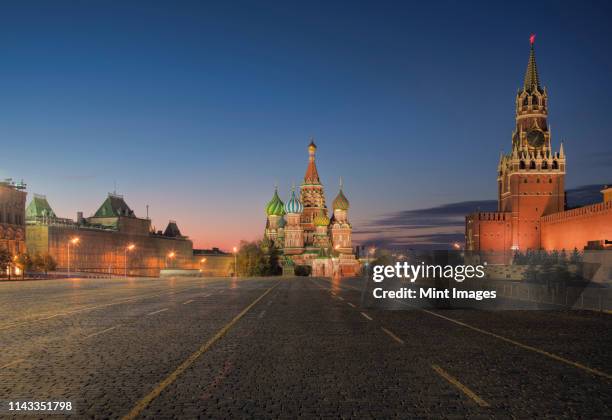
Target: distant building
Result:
[[303, 231], [531, 190], [113, 240], [213, 262], [12, 216]]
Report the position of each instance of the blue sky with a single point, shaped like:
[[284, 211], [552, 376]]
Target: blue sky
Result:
[[198, 109]]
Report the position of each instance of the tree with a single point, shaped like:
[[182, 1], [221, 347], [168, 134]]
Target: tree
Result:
[[24, 263], [44, 262], [575, 257], [5, 260], [258, 259]]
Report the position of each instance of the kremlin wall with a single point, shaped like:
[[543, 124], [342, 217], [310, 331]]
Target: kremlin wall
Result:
[[531, 191]]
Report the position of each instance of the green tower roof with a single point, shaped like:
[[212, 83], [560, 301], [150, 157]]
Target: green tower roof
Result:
[[275, 207], [39, 207], [114, 206]]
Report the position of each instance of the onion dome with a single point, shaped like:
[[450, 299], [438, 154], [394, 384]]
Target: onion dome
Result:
[[294, 205], [321, 220], [275, 206], [340, 202]]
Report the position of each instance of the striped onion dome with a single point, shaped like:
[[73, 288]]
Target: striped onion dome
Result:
[[275, 207], [294, 205], [340, 202], [321, 220]]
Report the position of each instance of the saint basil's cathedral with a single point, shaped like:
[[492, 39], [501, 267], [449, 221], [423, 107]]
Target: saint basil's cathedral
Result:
[[302, 230]]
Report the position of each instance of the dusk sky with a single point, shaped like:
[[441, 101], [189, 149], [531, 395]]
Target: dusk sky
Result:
[[199, 109]]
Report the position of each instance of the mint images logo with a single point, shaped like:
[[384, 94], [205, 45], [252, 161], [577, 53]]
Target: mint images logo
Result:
[[413, 272]]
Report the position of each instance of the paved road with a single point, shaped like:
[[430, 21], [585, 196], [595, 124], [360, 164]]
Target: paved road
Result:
[[301, 347]]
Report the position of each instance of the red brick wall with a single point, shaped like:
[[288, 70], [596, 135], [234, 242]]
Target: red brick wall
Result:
[[574, 228]]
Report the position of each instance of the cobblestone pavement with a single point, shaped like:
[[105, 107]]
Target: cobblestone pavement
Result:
[[287, 348]]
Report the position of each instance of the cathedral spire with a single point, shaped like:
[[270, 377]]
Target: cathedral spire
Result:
[[532, 81], [312, 176]]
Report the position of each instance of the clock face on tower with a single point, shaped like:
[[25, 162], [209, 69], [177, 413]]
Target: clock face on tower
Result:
[[535, 138]]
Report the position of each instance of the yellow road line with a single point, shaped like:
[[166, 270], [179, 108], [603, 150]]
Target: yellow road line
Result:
[[393, 336], [366, 316], [101, 332], [511, 341], [14, 362], [467, 391], [524, 346], [144, 402], [188, 302]]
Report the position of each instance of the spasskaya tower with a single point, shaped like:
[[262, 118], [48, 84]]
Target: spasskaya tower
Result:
[[531, 177]]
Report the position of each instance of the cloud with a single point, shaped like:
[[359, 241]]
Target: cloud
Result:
[[439, 227]]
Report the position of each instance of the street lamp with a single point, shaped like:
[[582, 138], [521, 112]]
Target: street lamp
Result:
[[125, 251], [235, 262], [170, 255], [73, 241]]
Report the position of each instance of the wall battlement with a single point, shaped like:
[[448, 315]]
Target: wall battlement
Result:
[[590, 210], [494, 216]]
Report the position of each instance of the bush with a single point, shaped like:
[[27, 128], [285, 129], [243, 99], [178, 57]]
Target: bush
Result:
[[303, 270]]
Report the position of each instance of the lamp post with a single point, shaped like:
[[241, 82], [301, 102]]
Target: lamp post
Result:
[[125, 251], [235, 262], [72, 241], [170, 255]]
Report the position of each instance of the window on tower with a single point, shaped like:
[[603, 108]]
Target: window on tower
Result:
[[532, 164], [522, 164], [544, 165], [555, 164]]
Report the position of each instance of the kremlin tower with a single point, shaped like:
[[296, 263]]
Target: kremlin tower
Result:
[[531, 178], [303, 230], [531, 211]]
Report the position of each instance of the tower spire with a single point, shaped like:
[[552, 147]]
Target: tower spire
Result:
[[532, 81], [312, 175]]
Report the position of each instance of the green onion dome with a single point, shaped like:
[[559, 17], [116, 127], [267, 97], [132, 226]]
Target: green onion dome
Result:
[[340, 202], [294, 205], [321, 220], [275, 207]]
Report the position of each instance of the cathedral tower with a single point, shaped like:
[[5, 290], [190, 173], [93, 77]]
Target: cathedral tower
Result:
[[294, 233], [313, 196], [531, 178], [340, 226], [275, 224]]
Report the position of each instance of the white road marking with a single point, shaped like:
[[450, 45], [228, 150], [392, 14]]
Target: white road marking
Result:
[[188, 302], [156, 312], [350, 304], [101, 332], [366, 316], [508, 340]]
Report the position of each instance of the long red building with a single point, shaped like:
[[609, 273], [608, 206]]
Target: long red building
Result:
[[531, 212]]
